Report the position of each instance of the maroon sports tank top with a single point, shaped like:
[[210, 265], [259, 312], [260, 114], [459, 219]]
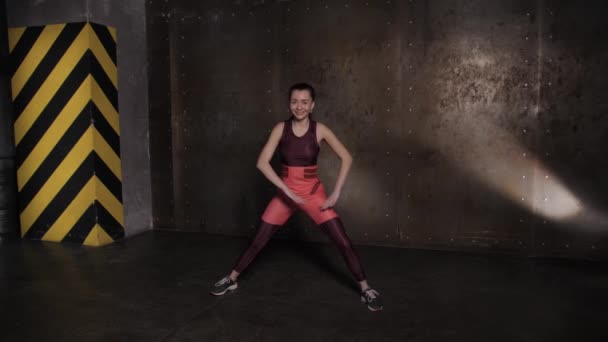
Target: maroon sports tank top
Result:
[[299, 151]]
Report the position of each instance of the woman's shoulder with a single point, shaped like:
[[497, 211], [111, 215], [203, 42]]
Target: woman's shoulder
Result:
[[321, 126], [278, 127], [320, 130]]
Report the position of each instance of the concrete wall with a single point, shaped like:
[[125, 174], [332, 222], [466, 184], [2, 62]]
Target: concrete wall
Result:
[[159, 80], [129, 18], [36, 12], [474, 125]]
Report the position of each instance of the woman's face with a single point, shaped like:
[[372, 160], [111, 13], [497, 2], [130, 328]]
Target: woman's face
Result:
[[301, 104]]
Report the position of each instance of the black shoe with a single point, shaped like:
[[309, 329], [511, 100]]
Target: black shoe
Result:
[[224, 285], [372, 298]]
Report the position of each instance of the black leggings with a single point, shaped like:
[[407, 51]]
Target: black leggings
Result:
[[333, 228]]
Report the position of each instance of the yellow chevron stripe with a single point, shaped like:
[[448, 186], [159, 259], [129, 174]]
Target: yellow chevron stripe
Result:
[[60, 176], [102, 56], [105, 106], [107, 154], [72, 213], [14, 34], [107, 199], [52, 136], [34, 57], [98, 237], [112, 32], [51, 84]]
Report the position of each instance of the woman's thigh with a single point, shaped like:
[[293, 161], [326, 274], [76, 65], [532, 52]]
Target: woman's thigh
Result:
[[278, 211], [313, 204]]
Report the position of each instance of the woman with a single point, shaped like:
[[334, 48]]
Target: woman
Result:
[[298, 141]]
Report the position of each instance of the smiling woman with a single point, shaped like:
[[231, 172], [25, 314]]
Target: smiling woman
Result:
[[297, 140]]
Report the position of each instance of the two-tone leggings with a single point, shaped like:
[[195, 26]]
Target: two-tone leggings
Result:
[[304, 182]]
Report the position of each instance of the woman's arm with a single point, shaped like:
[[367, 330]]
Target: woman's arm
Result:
[[264, 166], [326, 134]]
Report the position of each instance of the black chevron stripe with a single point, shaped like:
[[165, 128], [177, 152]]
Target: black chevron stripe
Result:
[[25, 44], [79, 232], [50, 112], [55, 157], [107, 177], [63, 198], [48, 63], [65, 91], [106, 40], [105, 129], [104, 82], [108, 223]]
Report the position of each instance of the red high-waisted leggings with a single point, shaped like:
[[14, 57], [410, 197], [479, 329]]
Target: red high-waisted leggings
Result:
[[303, 181]]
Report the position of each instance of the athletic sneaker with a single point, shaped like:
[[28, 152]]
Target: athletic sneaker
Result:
[[224, 285], [372, 298]]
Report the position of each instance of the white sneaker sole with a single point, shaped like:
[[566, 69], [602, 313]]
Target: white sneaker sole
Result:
[[229, 288], [369, 307]]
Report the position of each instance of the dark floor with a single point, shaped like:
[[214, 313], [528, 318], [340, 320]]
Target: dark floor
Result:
[[153, 287]]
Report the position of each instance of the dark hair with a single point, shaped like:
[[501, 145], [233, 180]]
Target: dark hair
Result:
[[301, 86]]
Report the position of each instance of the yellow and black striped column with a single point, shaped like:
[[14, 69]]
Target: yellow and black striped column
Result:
[[65, 94]]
